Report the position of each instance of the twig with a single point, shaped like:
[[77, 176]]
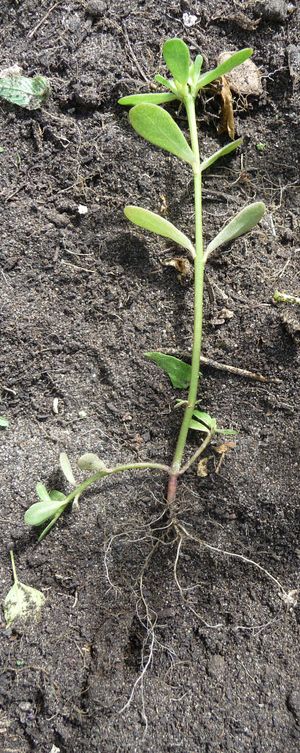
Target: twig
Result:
[[225, 367], [42, 21], [134, 56]]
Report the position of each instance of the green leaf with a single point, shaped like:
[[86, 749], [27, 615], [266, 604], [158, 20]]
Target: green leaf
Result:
[[226, 432], [91, 462], [239, 225], [157, 98], [57, 496], [177, 58], [156, 224], [42, 492], [30, 93], [236, 59], [197, 426], [22, 603], [220, 153], [206, 419], [42, 511], [164, 81], [156, 125], [4, 422], [66, 468], [197, 66], [178, 371]]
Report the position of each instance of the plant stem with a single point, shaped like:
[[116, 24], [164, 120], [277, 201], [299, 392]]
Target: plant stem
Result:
[[111, 471], [198, 302], [15, 577]]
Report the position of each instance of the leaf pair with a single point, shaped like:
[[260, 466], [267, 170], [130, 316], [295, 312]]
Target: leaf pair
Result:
[[204, 422]]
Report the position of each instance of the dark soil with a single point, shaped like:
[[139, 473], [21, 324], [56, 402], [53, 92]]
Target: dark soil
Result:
[[83, 297]]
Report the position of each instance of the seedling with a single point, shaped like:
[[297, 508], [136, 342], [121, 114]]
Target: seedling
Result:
[[30, 93], [4, 422], [156, 125], [279, 297]]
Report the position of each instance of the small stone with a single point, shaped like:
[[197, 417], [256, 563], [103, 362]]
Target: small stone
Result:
[[293, 703], [96, 8], [216, 667], [272, 10], [245, 79], [189, 20], [82, 209]]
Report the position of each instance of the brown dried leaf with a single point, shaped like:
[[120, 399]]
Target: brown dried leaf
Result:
[[182, 265], [202, 470], [221, 449], [227, 116]]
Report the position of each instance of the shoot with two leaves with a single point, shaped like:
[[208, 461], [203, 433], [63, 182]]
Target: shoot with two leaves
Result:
[[156, 125]]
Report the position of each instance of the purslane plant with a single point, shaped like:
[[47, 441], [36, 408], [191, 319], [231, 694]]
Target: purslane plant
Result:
[[156, 125]]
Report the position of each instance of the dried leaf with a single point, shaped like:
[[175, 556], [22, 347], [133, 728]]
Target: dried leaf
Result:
[[182, 266], [221, 449], [202, 470], [22, 603], [227, 116]]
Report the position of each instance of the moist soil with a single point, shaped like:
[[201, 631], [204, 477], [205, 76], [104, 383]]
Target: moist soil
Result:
[[83, 297]]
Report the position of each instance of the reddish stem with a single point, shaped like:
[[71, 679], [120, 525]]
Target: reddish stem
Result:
[[172, 488]]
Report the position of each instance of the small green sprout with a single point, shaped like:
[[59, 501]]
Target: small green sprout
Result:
[[155, 124], [4, 422], [261, 146], [279, 297]]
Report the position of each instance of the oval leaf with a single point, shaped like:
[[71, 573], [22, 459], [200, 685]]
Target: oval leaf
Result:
[[236, 59], [158, 98], [156, 224], [42, 492], [91, 462], [205, 418], [4, 423], [239, 225], [220, 153], [178, 371], [66, 468], [42, 511], [197, 426], [156, 125], [177, 58]]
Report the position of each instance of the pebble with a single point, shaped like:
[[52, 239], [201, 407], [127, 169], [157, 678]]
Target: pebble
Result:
[[293, 703], [216, 667], [272, 10], [245, 79], [96, 8]]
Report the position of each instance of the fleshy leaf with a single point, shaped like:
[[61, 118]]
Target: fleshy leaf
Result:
[[177, 58], [206, 419], [42, 511], [220, 153], [239, 225], [57, 496], [226, 432], [156, 125], [178, 371], [66, 468], [163, 81], [91, 462], [156, 224], [237, 58], [22, 603], [157, 98], [42, 492], [197, 66], [4, 423], [197, 426], [30, 93]]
